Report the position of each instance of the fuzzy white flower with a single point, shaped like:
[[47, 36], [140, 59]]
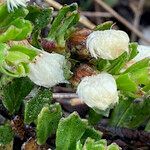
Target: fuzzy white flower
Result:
[[47, 69], [11, 4], [107, 44], [98, 91]]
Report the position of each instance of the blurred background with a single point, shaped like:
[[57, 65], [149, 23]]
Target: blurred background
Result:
[[132, 16]]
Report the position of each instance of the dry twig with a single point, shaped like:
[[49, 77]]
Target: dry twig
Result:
[[122, 20], [95, 14], [133, 138], [64, 95], [97, 8], [91, 14], [137, 15]]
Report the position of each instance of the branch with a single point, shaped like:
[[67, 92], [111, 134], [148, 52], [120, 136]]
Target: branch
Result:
[[122, 20], [137, 13], [91, 14], [64, 95]]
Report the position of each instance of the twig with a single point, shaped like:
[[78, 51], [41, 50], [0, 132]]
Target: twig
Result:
[[83, 20], [122, 20], [137, 12], [95, 14], [91, 14], [136, 138], [54, 4], [64, 95], [67, 98], [97, 8]]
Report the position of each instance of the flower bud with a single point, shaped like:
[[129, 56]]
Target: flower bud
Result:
[[77, 43], [107, 44], [79, 36], [48, 69], [98, 91], [82, 71], [11, 4]]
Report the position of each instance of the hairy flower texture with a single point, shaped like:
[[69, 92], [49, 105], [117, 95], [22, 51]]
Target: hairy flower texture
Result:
[[11, 4], [144, 52], [107, 44], [47, 69], [98, 91]]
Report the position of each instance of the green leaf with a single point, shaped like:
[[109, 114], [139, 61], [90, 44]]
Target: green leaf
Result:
[[3, 51], [10, 17], [133, 50], [91, 145], [29, 51], [146, 88], [131, 81], [25, 26], [16, 57], [11, 33], [60, 17], [92, 133], [112, 66], [141, 76], [35, 105], [102, 142], [79, 146], [120, 110], [113, 146], [13, 26], [139, 65], [4, 80], [125, 83], [102, 64], [40, 18], [47, 122], [104, 26], [3, 12], [19, 29], [6, 134], [68, 22], [117, 64], [93, 117], [131, 113], [15, 92], [66, 18], [14, 63], [69, 131]]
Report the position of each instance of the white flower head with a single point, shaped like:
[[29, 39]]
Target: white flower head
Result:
[[11, 4], [98, 91], [107, 44], [47, 69]]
